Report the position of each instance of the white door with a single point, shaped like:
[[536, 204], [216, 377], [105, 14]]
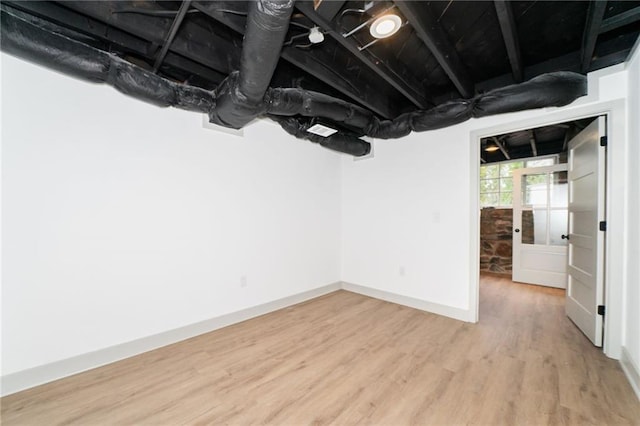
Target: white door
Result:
[[540, 226], [585, 290]]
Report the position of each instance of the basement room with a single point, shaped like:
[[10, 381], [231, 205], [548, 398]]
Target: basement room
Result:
[[292, 212]]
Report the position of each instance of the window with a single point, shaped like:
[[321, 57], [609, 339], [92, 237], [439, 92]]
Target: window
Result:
[[496, 180]]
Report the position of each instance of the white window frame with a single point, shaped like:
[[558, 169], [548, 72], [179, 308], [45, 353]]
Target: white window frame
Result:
[[555, 157]]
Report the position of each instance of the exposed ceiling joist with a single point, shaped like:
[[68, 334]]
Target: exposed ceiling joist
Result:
[[590, 33], [625, 18], [390, 71], [320, 64], [118, 39], [532, 141], [566, 141], [420, 66], [502, 148], [431, 33], [566, 62], [175, 26], [510, 36], [194, 42], [329, 9]]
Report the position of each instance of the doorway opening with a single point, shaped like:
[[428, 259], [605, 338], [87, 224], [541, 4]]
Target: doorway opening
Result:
[[617, 168], [541, 213], [548, 211]]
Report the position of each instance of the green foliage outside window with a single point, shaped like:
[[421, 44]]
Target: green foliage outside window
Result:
[[496, 180]]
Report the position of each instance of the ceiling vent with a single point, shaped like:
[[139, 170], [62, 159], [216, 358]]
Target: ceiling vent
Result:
[[321, 130]]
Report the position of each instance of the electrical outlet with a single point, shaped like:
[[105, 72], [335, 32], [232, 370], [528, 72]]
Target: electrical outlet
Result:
[[243, 281], [401, 271]]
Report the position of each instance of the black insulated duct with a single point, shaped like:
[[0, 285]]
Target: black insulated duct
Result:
[[245, 95], [239, 99], [35, 44], [553, 89], [342, 141]]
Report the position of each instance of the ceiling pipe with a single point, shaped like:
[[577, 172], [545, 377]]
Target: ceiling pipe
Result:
[[244, 95], [553, 89], [42, 46], [239, 98]]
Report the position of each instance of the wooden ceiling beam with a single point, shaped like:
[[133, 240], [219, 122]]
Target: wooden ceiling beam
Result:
[[502, 148], [532, 141], [175, 26], [510, 37], [590, 33], [329, 9], [619, 48], [90, 28], [320, 65], [395, 74], [429, 30], [625, 18], [193, 42]]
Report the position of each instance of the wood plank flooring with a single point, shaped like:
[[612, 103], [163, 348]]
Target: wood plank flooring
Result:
[[346, 359]]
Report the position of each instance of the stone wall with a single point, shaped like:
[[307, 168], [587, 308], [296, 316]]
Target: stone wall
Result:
[[496, 238]]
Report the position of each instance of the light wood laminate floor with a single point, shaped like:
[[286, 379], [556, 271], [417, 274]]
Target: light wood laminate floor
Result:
[[345, 359]]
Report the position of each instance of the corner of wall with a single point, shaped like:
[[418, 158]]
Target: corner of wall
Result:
[[631, 370]]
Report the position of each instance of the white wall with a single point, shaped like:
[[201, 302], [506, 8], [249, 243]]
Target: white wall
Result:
[[408, 209], [122, 220], [632, 296], [113, 232]]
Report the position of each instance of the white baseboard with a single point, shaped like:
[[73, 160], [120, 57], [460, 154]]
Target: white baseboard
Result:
[[423, 305], [631, 370], [25, 379]]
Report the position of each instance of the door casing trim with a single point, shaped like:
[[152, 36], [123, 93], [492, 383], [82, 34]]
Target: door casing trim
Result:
[[617, 172]]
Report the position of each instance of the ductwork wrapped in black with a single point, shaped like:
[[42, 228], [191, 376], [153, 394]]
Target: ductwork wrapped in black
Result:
[[553, 89], [445, 115], [244, 95], [267, 25], [240, 98], [292, 101], [341, 141], [25, 40]]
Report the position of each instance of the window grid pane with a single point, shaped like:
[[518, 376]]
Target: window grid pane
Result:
[[496, 181]]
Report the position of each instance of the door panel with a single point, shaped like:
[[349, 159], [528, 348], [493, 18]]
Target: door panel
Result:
[[585, 287], [540, 198]]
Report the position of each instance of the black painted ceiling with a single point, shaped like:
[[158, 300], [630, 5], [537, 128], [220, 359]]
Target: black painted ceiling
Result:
[[445, 50], [536, 142]]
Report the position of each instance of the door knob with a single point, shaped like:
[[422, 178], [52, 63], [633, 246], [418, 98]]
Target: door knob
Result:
[[565, 237]]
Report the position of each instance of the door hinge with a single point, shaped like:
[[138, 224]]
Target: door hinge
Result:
[[604, 141], [601, 310], [603, 225]]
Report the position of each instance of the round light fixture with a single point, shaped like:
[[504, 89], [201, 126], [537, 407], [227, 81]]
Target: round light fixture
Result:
[[491, 147], [385, 26]]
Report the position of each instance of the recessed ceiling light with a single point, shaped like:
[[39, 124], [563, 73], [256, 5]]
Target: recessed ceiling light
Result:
[[385, 26]]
